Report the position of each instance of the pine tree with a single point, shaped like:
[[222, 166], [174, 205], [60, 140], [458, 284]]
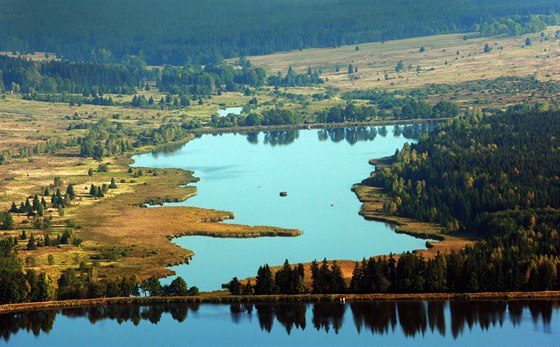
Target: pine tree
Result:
[[31, 246], [265, 282], [70, 191], [7, 222], [40, 210]]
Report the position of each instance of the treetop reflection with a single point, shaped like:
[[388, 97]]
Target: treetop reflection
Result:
[[413, 318]]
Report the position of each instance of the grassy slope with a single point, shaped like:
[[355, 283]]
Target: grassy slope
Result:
[[509, 57]]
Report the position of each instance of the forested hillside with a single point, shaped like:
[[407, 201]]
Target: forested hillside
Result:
[[195, 31], [465, 175]]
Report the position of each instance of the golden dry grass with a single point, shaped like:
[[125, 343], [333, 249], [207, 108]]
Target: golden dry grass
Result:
[[509, 57], [115, 221]]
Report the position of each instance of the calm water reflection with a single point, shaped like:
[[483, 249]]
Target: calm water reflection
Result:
[[488, 322], [244, 173]]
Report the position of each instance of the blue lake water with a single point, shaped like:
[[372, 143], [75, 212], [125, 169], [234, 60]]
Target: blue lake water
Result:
[[225, 111], [244, 173], [432, 323]]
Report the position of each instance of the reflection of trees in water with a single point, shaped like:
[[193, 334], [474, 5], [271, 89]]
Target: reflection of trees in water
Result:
[[436, 316], [482, 313], [265, 313], [352, 135], [377, 317], [382, 131], [165, 150], [238, 310], [253, 137], [327, 315], [412, 317], [291, 315], [280, 138], [381, 317], [34, 322]]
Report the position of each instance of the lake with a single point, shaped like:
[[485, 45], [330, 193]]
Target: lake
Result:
[[244, 173], [225, 111], [384, 323]]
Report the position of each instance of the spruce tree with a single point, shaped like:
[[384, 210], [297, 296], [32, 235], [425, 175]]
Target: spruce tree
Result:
[[31, 246]]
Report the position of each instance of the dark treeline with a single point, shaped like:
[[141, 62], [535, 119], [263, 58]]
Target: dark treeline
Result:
[[398, 104], [293, 79], [411, 109], [83, 284], [521, 260], [107, 139], [25, 76], [196, 31], [477, 165], [413, 318], [211, 79], [276, 116]]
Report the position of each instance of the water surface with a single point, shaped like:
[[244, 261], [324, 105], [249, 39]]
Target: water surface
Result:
[[225, 111], [244, 173], [432, 323]]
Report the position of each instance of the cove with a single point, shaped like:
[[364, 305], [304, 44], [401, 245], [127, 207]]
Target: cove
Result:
[[383, 323], [244, 174]]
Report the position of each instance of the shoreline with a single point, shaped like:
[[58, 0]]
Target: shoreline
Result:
[[301, 298], [373, 199], [287, 127]]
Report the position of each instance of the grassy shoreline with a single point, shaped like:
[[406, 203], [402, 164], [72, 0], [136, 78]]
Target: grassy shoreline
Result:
[[302, 298]]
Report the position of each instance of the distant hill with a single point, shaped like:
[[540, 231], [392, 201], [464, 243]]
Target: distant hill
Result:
[[202, 31]]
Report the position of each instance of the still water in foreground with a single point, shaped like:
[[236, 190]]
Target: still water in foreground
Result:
[[433, 323], [244, 173]]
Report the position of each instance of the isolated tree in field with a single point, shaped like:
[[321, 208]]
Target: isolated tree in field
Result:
[[31, 246], [422, 49], [113, 184], [487, 48], [6, 221], [350, 69], [528, 42], [70, 191], [400, 66], [90, 172]]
